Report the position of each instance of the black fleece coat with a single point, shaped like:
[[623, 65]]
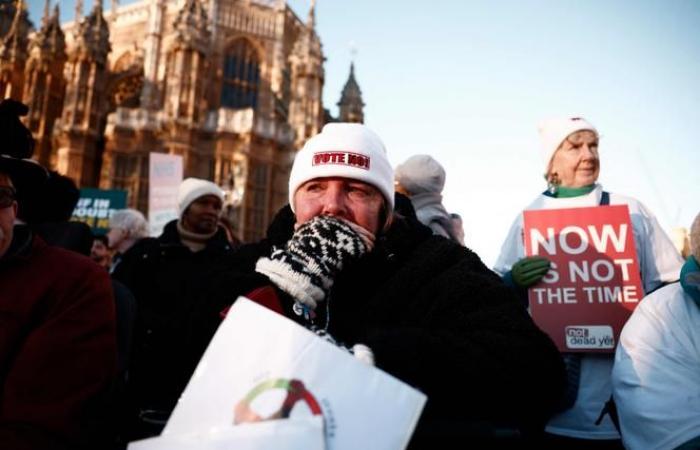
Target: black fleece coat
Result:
[[437, 318], [171, 284]]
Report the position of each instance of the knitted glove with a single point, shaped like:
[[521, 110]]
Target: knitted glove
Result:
[[529, 270], [308, 264]]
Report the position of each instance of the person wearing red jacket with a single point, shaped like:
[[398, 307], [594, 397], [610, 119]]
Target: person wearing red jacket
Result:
[[57, 321]]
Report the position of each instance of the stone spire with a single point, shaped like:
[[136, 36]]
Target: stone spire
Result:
[[92, 35], [306, 107], [154, 35], [311, 19], [192, 26], [13, 54], [78, 11], [351, 104], [113, 11], [45, 18], [45, 84], [16, 37], [81, 124], [186, 73], [48, 43], [8, 11]]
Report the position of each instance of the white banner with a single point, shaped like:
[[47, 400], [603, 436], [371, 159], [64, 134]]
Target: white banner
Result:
[[164, 178], [264, 370]]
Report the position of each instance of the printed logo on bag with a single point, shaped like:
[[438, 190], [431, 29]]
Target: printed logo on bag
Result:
[[341, 158], [266, 402]]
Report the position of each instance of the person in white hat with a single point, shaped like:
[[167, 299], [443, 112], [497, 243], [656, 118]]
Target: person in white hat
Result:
[[170, 277], [423, 308], [571, 168], [200, 203]]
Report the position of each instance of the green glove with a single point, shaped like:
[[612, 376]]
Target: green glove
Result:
[[530, 270]]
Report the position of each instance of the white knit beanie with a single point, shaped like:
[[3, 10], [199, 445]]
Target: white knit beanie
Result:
[[554, 131], [421, 174], [193, 188], [348, 150]]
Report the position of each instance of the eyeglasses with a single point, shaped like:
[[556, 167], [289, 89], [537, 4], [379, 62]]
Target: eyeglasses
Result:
[[7, 196]]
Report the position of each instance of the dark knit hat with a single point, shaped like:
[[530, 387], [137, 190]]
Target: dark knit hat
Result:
[[17, 147]]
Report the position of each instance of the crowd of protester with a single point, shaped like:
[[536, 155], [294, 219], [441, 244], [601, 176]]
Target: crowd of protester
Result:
[[100, 334]]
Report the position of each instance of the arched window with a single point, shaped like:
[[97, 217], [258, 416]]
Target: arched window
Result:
[[241, 76]]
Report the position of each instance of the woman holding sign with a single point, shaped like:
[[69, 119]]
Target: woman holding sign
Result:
[[570, 148]]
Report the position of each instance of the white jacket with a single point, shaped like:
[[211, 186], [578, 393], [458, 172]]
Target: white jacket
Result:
[[656, 378], [659, 261]]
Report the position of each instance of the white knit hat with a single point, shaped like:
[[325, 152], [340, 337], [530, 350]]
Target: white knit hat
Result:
[[348, 150], [421, 174], [193, 188], [554, 131]]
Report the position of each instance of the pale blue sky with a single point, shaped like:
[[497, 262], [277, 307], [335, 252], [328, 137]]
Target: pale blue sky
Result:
[[467, 82]]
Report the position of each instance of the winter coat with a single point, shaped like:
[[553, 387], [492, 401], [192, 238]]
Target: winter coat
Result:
[[169, 282], [57, 345], [657, 367], [438, 319], [432, 213]]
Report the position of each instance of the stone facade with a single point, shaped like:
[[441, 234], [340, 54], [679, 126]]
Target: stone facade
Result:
[[233, 86]]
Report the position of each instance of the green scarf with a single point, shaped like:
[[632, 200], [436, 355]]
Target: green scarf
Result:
[[566, 192]]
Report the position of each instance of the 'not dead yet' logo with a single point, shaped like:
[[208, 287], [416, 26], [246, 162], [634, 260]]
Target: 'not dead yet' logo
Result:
[[581, 337], [342, 158]]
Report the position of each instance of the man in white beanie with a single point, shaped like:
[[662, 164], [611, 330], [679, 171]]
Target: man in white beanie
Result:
[[170, 276], [571, 168], [425, 309]]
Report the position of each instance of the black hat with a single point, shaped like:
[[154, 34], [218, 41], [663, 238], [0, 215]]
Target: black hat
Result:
[[17, 147]]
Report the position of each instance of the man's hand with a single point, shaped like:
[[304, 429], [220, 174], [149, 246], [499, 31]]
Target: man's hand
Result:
[[530, 270], [308, 264]]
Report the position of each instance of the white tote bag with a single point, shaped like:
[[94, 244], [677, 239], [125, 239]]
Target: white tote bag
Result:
[[272, 383]]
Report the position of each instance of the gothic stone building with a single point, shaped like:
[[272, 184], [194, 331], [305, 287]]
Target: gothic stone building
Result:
[[233, 86]]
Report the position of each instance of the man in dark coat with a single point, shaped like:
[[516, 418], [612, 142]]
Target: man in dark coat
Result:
[[57, 325], [170, 276], [342, 262]]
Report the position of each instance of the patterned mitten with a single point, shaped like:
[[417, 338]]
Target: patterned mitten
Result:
[[308, 264]]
